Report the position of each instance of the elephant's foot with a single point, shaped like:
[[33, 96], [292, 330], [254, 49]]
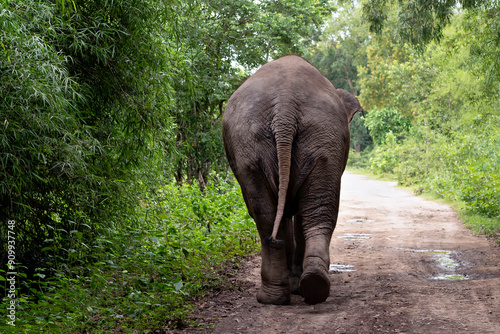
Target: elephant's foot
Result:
[[314, 283], [276, 296], [314, 287]]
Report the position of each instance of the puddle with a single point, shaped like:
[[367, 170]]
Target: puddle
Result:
[[443, 258], [343, 268], [360, 220], [355, 236], [446, 263], [451, 277]]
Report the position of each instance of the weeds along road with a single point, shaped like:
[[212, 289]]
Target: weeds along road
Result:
[[400, 264]]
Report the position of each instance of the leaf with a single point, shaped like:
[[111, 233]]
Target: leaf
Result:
[[178, 286]]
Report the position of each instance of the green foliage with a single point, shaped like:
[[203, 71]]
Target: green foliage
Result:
[[341, 48], [482, 26], [360, 136], [481, 225], [359, 160], [77, 119], [461, 168], [418, 21], [145, 274], [409, 84], [43, 145], [384, 158], [375, 76], [381, 122]]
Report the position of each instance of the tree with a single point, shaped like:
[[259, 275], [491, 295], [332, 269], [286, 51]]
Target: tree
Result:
[[374, 77], [481, 25], [420, 22], [417, 21], [342, 47]]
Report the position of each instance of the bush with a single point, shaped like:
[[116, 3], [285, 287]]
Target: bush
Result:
[[384, 158], [359, 159], [382, 121], [480, 190]]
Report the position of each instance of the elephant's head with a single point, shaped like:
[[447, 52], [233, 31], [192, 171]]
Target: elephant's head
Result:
[[351, 103]]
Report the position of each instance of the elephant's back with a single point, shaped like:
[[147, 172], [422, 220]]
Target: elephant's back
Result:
[[289, 87], [290, 84]]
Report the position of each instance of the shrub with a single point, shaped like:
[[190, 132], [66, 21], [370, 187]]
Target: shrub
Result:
[[359, 159], [384, 158]]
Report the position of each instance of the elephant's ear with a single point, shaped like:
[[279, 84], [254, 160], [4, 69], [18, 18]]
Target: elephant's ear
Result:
[[351, 103]]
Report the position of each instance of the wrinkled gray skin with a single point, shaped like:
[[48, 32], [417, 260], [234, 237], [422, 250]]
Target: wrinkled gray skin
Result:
[[286, 135]]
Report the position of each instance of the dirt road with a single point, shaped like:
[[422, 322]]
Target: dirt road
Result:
[[400, 264]]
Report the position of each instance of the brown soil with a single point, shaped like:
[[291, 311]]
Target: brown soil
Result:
[[416, 269]]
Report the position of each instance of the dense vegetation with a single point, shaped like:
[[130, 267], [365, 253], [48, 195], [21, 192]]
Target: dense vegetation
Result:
[[116, 200]]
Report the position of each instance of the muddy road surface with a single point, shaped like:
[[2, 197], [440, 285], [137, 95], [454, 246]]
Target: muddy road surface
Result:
[[400, 264]]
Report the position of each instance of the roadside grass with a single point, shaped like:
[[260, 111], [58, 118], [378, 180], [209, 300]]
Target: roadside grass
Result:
[[144, 274], [481, 225]]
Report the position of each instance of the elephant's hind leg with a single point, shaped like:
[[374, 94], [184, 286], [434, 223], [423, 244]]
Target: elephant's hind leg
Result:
[[275, 287], [314, 282], [318, 206]]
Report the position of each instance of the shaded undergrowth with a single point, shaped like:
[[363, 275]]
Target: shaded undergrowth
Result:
[[142, 274]]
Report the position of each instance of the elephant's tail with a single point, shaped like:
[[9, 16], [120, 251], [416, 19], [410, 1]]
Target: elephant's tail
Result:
[[284, 127]]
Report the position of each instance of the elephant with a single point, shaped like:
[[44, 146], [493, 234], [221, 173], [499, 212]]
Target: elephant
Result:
[[286, 138]]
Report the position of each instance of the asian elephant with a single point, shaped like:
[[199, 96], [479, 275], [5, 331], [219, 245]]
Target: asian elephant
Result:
[[286, 136]]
